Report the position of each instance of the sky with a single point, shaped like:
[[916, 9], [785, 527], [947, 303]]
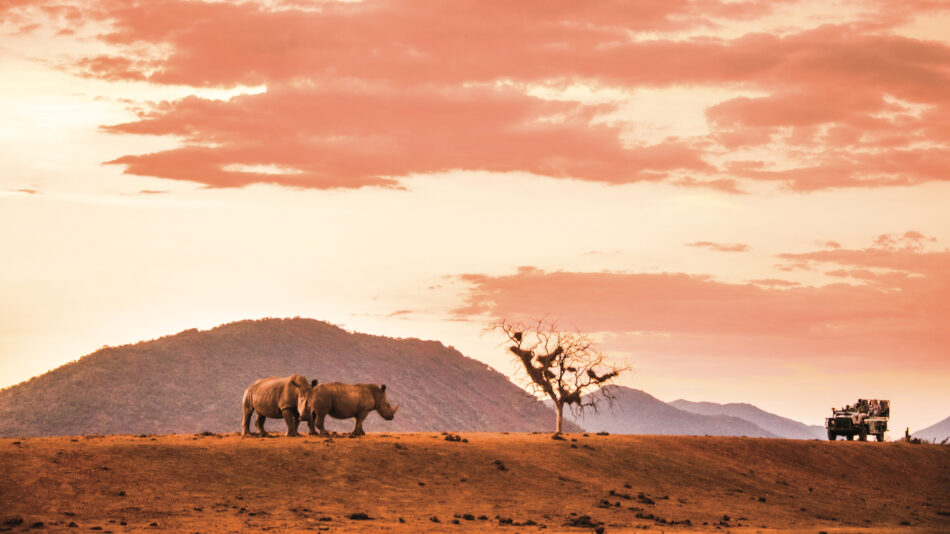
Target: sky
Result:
[[745, 201]]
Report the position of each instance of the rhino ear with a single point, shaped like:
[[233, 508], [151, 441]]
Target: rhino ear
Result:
[[382, 387], [314, 382]]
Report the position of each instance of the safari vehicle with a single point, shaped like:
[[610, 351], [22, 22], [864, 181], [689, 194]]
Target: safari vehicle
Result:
[[866, 417]]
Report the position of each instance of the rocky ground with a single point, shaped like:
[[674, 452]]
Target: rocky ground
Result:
[[471, 482]]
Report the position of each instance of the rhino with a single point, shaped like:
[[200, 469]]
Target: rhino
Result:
[[287, 397], [343, 401]]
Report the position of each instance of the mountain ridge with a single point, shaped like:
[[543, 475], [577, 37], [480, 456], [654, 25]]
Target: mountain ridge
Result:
[[193, 381], [624, 410], [938, 431], [776, 424]]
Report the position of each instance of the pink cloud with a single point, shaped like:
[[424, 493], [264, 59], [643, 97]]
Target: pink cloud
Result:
[[720, 247], [854, 105], [898, 252], [900, 316], [353, 138], [836, 169], [774, 282]]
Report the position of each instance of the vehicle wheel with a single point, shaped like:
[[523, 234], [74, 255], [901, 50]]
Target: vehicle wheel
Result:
[[849, 436], [832, 436], [880, 436], [863, 436]]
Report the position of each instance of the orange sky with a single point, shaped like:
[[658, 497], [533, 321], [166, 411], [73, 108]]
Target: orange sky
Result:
[[746, 201]]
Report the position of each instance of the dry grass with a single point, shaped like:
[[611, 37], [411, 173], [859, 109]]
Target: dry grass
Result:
[[217, 483]]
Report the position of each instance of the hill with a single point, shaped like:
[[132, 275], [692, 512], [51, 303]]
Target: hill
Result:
[[937, 431], [780, 426], [193, 381], [491, 482], [635, 412]]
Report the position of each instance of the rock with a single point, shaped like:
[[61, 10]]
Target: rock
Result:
[[359, 516], [583, 521]]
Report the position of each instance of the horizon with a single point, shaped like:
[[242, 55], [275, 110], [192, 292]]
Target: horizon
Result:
[[744, 201]]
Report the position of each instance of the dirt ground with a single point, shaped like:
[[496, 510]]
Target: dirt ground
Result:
[[484, 482]]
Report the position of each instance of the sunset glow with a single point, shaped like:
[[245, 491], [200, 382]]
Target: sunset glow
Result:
[[745, 201]]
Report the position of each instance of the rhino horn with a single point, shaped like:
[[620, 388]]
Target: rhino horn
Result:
[[396, 407]]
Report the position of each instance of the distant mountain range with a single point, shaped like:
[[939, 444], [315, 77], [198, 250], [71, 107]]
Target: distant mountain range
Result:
[[193, 381], [775, 424], [935, 432], [635, 412]]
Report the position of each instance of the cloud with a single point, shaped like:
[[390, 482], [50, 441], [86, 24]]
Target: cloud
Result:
[[775, 282], [366, 93], [897, 315], [905, 253], [720, 247], [346, 137]]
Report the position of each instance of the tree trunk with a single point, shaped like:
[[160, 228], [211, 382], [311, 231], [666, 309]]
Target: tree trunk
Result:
[[559, 408]]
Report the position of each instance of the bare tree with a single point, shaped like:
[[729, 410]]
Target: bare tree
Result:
[[563, 365]]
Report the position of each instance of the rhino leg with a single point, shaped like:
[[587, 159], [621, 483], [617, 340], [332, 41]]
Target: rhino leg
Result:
[[313, 431], [292, 420], [358, 429], [320, 418], [260, 425], [246, 421]]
